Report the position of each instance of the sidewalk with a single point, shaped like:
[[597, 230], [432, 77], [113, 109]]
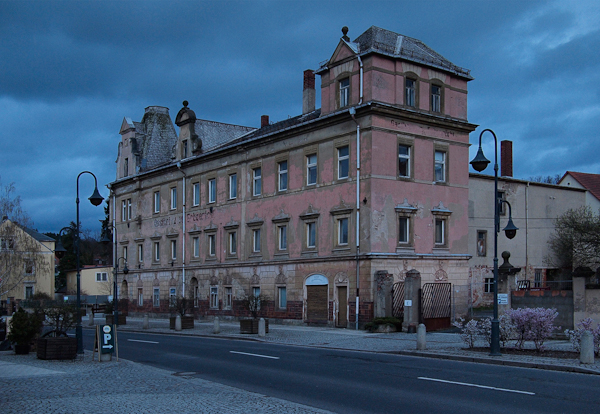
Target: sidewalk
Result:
[[439, 345]]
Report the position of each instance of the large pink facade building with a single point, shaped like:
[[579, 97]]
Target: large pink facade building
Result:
[[306, 211]]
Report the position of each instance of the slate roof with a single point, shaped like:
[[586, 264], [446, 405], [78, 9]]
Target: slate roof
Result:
[[386, 42], [155, 137], [590, 182], [216, 134]]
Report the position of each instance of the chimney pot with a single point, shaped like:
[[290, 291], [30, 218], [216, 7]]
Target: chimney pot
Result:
[[264, 121], [308, 94]]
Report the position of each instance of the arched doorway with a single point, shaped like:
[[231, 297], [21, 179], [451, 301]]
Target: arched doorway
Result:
[[317, 299]]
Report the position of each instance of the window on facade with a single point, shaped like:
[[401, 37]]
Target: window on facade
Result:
[[282, 297], [440, 232], [28, 292], [488, 285], [196, 246], [404, 230], [256, 240], [125, 253], [212, 190], [537, 278], [126, 167], [311, 234], [233, 243], [228, 297], [440, 166], [214, 297], [156, 297], [140, 253], [282, 237], [212, 244], [343, 161], [311, 169], [256, 291], [184, 149], [232, 186], [481, 243], [29, 267], [101, 276], [173, 198], [7, 244], [157, 201], [282, 175], [124, 210], [344, 92], [129, 209], [140, 297], [172, 296], [404, 161], [196, 194], [174, 249], [436, 98], [157, 251], [501, 205], [410, 92], [342, 231], [256, 181]]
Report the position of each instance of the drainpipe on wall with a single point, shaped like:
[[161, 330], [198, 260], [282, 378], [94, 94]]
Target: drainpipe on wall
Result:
[[183, 228], [352, 114], [526, 230], [114, 234]]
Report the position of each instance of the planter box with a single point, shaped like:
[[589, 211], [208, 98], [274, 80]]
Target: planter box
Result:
[[250, 326], [187, 322], [57, 348], [122, 319]]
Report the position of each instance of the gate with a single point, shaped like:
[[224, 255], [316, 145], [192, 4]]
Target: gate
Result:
[[436, 305], [398, 300]]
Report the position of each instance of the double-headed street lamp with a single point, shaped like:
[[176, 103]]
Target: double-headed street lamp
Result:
[[107, 240], [479, 164]]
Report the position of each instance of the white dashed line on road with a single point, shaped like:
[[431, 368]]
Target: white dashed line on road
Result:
[[256, 355], [466, 384]]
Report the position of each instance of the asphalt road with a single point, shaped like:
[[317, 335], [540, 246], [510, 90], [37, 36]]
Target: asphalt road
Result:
[[359, 382]]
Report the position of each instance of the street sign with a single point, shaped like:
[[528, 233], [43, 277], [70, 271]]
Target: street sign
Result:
[[502, 298], [107, 340]]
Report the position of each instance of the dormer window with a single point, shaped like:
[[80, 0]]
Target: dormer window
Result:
[[410, 92], [184, 149], [344, 92], [126, 167], [436, 98]]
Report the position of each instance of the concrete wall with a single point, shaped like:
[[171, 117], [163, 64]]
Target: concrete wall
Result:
[[561, 300]]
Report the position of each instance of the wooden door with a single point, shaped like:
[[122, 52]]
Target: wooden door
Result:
[[342, 316], [316, 304]]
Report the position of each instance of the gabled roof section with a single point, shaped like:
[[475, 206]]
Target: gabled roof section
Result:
[[126, 125], [386, 42], [590, 182], [216, 134], [37, 236]]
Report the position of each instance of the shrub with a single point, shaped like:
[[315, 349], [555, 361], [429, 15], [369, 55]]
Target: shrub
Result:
[[24, 327], [582, 326], [534, 324], [469, 331], [375, 323]]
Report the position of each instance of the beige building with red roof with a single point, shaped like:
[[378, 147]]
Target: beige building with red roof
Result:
[[588, 182]]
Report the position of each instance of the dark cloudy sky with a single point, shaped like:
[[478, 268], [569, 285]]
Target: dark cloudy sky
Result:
[[70, 71]]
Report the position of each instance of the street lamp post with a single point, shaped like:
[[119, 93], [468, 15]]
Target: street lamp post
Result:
[[96, 199], [479, 164]]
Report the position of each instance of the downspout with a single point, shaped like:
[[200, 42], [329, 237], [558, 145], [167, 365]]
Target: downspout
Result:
[[352, 114], [183, 228], [526, 230], [114, 234]]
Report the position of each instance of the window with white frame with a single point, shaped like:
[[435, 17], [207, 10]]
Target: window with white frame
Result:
[[214, 297], [196, 194], [129, 209], [256, 240], [157, 251], [173, 249], [311, 234], [488, 286], [196, 246], [157, 201], [481, 242], [410, 88], [440, 231], [282, 297], [184, 149], [343, 154], [440, 166], [282, 236], [126, 167], [7, 244], [212, 190], [156, 297], [28, 292], [311, 169], [124, 210], [140, 253], [173, 198], [256, 181], [125, 253], [282, 168], [404, 160], [212, 244], [436, 98], [101, 276], [342, 231], [233, 243], [232, 186], [344, 92], [228, 297], [404, 230], [140, 297]]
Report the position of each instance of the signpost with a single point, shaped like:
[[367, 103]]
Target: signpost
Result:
[[106, 340]]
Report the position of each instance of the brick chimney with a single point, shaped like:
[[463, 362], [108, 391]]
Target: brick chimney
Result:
[[308, 94], [506, 159], [264, 121]]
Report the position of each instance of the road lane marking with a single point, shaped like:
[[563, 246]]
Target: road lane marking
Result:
[[476, 385], [139, 340], [256, 355]]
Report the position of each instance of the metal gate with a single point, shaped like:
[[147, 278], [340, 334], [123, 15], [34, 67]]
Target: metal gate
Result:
[[398, 300], [436, 305]]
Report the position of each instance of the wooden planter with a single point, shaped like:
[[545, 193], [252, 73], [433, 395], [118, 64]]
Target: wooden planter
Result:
[[57, 348], [111, 318], [250, 326], [187, 322]]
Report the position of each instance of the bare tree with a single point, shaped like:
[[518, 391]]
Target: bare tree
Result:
[[576, 240], [546, 179]]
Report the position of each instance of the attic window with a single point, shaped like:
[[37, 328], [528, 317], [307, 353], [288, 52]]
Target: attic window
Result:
[[344, 92], [184, 149]]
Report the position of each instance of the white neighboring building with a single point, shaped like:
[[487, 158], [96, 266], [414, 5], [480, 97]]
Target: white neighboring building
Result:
[[588, 182]]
